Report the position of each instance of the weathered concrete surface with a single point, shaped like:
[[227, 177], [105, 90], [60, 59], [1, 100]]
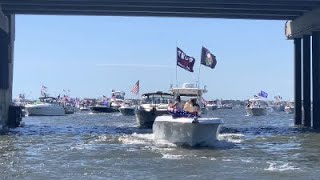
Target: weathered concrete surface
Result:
[[304, 25], [7, 28]]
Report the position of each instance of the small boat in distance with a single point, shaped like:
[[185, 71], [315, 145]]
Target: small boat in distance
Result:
[[289, 108], [222, 105], [257, 107], [127, 108], [278, 105], [103, 107], [117, 99], [212, 105]]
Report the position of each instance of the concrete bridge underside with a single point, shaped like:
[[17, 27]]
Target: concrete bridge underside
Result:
[[304, 25]]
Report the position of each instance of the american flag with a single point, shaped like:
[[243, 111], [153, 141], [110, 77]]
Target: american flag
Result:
[[135, 88]]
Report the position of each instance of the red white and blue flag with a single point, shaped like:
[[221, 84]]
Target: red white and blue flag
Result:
[[184, 61], [135, 88]]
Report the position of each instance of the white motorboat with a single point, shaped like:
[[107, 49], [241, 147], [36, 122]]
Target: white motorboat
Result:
[[278, 105], [289, 108], [117, 99], [188, 129], [47, 106], [69, 109], [211, 105], [103, 107], [225, 106], [151, 106], [257, 107]]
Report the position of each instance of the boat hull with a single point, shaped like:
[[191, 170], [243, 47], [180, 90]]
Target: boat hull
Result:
[[145, 118], [84, 109], [182, 132], [103, 109], [69, 109], [127, 111], [225, 107], [45, 110], [256, 111], [212, 107], [278, 108], [289, 110]]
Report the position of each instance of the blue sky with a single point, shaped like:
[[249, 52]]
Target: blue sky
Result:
[[91, 55]]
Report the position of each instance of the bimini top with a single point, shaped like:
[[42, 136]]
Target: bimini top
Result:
[[188, 89], [159, 93]]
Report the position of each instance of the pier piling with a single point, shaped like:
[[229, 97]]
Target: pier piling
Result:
[[306, 81], [316, 79], [297, 81]]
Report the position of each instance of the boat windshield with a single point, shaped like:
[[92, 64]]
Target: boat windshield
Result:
[[184, 99], [156, 99], [48, 100], [259, 103]]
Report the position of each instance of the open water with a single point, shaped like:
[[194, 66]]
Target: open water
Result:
[[110, 146]]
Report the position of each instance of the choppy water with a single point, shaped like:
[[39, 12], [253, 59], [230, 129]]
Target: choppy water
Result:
[[110, 146]]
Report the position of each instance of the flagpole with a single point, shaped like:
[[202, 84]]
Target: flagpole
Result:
[[139, 92], [199, 76], [200, 68], [176, 63]]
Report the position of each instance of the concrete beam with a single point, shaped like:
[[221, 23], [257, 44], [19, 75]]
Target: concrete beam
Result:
[[238, 9], [304, 25], [3, 21], [153, 14]]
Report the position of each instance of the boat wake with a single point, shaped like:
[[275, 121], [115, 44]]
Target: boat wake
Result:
[[280, 166], [226, 141]]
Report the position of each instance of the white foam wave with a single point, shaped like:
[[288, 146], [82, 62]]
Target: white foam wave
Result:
[[231, 137], [81, 147], [246, 160], [226, 160], [136, 139], [280, 166], [171, 156]]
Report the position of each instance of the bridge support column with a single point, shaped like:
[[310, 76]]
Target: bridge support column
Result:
[[7, 30], [306, 81], [297, 82], [316, 79]]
